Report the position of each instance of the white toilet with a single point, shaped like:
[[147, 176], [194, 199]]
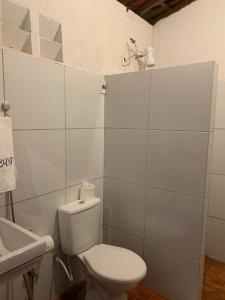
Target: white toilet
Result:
[[113, 270]]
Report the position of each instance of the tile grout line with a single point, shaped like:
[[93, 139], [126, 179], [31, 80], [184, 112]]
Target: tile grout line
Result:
[[196, 260], [159, 129], [217, 174], [146, 163], [48, 193], [154, 243], [124, 231], [153, 187], [33, 197], [65, 144], [65, 115], [215, 217], [54, 129]]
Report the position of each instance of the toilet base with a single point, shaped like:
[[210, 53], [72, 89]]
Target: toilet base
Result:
[[94, 291]]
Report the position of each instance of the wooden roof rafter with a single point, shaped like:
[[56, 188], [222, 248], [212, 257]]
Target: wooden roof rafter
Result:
[[154, 10]]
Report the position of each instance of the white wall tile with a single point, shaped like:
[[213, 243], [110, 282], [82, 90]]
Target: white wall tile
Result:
[[99, 187], [100, 237], [99, 193], [84, 103], [217, 196], [215, 242], [73, 193], [59, 282], [171, 274], [40, 214], [124, 206], [218, 162], [181, 97], [42, 288], [220, 105], [119, 238], [19, 290], [52, 280], [35, 89], [174, 221], [1, 82], [5, 212], [3, 199], [85, 155], [40, 161], [177, 161], [3, 292], [127, 100], [125, 154]]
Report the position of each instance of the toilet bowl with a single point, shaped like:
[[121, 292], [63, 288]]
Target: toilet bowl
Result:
[[112, 271]]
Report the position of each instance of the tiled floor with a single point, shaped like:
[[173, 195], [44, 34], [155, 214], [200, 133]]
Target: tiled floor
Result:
[[214, 283]]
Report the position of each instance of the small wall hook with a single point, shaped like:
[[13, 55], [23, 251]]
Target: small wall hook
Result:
[[5, 107]]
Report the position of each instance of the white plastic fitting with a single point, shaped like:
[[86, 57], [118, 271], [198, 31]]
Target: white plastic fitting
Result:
[[49, 242]]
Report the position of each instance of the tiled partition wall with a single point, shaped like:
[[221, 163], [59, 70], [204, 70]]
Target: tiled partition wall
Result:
[[216, 220], [58, 120], [157, 133]]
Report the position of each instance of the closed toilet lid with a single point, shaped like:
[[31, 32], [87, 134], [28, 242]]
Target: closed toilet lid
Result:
[[115, 263]]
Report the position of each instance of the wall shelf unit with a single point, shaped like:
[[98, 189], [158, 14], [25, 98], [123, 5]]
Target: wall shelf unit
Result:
[[50, 39], [15, 27]]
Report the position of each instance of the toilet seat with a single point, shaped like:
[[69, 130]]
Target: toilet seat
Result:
[[114, 264]]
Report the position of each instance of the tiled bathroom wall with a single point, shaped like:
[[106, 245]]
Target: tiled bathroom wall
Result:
[[216, 220], [58, 130], [158, 131]]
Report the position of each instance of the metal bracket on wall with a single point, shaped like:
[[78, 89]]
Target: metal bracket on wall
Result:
[[103, 87]]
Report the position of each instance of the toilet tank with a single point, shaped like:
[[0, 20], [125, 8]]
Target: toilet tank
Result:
[[79, 225]]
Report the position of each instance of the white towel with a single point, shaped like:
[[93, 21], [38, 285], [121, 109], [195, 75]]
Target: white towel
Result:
[[7, 162]]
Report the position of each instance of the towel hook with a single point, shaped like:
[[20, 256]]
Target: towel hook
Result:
[[5, 107]]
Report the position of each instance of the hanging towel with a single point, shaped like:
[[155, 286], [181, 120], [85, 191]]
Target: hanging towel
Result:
[[7, 162]]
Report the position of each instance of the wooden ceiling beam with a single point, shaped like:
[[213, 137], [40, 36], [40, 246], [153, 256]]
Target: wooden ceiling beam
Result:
[[151, 4], [154, 10], [170, 11], [139, 3], [174, 2]]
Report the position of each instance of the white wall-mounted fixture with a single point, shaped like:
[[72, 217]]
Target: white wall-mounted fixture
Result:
[[142, 56], [20, 249]]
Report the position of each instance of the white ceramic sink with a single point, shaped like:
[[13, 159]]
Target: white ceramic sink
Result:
[[19, 247]]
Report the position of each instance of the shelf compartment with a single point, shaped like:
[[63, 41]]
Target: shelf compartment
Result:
[[16, 38], [50, 33], [15, 15], [51, 50]]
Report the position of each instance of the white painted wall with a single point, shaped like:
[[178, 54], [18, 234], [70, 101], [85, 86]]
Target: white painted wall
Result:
[[194, 34], [94, 32]]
